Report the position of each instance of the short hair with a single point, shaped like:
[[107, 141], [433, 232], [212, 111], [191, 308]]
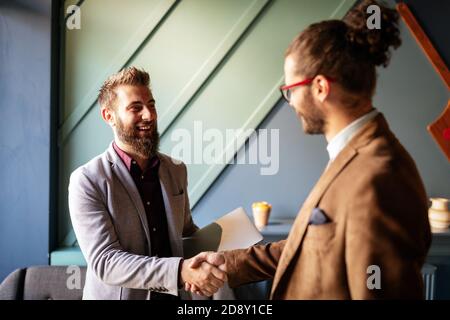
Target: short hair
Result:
[[127, 76]]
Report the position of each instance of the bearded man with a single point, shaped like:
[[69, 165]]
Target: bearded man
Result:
[[129, 206]]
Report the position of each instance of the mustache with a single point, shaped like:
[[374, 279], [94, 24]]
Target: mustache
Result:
[[146, 123]]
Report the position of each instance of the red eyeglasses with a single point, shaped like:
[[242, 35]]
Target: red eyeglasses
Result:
[[286, 90]]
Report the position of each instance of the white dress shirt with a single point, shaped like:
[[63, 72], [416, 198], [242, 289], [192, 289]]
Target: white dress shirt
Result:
[[345, 135]]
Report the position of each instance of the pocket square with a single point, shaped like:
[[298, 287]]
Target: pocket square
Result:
[[318, 217]]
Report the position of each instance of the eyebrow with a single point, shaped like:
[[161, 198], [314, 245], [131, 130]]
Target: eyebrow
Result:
[[151, 101]]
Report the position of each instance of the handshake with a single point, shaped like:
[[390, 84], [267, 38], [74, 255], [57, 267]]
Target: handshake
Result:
[[204, 273]]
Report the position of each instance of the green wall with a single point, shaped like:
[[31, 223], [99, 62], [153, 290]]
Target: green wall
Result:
[[215, 61]]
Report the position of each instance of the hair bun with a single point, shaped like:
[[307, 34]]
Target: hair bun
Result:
[[375, 43]]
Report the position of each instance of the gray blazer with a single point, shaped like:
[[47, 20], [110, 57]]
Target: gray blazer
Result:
[[110, 223]]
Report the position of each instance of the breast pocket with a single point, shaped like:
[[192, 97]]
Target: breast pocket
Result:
[[320, 237], [178, 200], [177, 204]]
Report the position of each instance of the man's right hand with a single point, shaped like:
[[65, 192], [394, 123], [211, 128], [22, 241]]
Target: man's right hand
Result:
[[206, 275], [210, 257]]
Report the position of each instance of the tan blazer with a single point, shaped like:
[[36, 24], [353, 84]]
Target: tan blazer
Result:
[[375, 199]]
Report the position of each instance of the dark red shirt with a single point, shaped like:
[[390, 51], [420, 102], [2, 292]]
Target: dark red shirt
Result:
[[149, 187]]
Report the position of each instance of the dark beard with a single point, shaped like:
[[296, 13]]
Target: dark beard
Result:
[[314, 121], [145, 146]]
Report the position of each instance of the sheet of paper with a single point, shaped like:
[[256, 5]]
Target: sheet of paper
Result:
[[234, 230]]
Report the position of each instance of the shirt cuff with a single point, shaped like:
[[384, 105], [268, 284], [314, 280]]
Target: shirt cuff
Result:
[[180, 284]]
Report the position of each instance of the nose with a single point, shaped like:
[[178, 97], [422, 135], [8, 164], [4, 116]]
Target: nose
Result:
[[148, 114]]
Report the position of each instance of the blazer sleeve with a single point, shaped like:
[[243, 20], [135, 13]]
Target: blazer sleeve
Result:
[[387, 238], [253, 264], [99, 243]]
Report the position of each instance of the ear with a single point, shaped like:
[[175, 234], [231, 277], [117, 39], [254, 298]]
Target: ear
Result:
[[108, 116], [321, 87]]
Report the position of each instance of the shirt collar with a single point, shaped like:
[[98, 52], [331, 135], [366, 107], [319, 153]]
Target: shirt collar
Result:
[[341, 140], [128, 160]]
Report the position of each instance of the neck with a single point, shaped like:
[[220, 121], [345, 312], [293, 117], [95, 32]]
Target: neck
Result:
[[337, 121], [141, 161]]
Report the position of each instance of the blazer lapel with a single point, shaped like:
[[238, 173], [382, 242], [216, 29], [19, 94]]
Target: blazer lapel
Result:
[[172, 220], [125, 178]]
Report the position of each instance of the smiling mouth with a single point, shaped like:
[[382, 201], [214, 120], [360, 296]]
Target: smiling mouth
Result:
[[146, 128]]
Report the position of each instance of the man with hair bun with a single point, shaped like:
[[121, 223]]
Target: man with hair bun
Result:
[[363, 231]]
